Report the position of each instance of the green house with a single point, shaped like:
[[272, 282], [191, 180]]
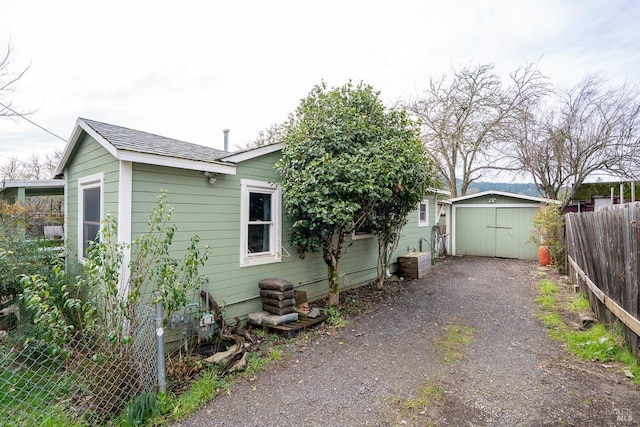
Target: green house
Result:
[[118, 170], [495, 224]]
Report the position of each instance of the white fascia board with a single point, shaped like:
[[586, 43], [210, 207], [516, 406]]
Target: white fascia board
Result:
[[103, 142], [253, 153], [505, 194], [68, 149], [30, 183], [154, 159], [79, 127], [439, 191], [496, 205]]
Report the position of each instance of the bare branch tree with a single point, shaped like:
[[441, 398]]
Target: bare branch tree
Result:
[[272, 135], [590, 129], [11, 169], [51, 163], [34, 168], [465, 122], [8, 84]]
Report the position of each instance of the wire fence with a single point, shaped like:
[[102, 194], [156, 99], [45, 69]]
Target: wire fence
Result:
[[88, 383]]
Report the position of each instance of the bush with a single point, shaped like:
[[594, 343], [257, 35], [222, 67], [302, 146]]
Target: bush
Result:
[[19, 253], [549, 225]]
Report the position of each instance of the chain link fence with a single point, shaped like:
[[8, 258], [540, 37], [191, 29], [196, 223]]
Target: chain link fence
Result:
[[90, 382]]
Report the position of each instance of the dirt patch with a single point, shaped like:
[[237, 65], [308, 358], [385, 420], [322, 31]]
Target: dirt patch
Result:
[[384, 368]]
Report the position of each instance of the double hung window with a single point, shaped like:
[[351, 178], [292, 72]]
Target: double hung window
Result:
[[423, 214], [260, 237], [90, 208]]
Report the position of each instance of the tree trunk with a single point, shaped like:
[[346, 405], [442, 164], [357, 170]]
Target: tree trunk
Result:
[[334, 284], [382, 262]]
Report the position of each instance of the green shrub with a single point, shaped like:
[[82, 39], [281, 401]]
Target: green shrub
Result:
[[549, 223]]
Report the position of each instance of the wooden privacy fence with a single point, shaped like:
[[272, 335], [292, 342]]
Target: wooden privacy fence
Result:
[[602, 249]]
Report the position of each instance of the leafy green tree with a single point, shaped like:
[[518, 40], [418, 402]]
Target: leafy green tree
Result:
[[404, 174], [339, 162]]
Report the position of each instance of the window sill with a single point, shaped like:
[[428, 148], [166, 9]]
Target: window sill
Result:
[[260, 260]]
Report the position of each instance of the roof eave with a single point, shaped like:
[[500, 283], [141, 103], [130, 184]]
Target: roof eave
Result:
[[439, 191], [506, 194], [80, 127], [160, 160], [253, 153]]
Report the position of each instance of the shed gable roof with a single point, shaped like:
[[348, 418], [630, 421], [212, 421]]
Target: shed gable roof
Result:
[[505, 194]]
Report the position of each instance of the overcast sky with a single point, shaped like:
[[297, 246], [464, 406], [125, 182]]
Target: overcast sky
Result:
[[189, 69]]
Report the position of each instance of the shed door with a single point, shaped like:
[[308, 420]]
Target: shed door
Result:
[[513, 230], [505, 233], [475, 231], [495, 232]]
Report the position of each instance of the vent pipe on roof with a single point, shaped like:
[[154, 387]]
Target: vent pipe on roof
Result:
[[226, 139]]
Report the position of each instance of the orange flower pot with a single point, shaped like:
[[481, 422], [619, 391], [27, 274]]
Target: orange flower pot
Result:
[[544, 256]]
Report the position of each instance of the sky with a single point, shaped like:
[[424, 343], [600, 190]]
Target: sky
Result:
[[190, 69]]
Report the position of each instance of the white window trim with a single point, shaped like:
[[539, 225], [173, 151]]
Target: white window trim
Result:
[[275, 253], [86, 182], [355, 236], [420, 222], [361, 236]]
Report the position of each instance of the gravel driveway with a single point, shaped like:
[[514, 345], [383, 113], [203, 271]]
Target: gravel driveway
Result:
[[512, 373]]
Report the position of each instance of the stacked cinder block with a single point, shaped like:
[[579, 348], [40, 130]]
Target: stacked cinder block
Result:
[[277, 296]]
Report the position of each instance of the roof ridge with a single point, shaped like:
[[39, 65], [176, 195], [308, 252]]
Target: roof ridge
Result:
[[89, 121]]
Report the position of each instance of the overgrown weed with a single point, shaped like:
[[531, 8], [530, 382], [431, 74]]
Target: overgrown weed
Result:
[[596, 343], [418, 408], [452, 341]]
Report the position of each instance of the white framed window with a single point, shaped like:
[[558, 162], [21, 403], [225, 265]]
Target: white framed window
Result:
[[423, 213], [90, 211], [363, 231], [260, 222]]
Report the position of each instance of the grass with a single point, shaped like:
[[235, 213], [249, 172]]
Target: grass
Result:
[[336, 319], [210, 384], [30, 390], [276, 352], [171, 408], [255, 363], [427, 394], [580, 302], [416, 408], [547, 297], [595, 343], [452, 341]]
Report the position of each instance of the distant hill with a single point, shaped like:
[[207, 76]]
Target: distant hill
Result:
[[527, 189]]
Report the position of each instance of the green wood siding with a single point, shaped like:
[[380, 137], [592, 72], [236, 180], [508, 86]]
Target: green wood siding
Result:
[[213, 213], [495, 199], [89, 158], [501, 228]]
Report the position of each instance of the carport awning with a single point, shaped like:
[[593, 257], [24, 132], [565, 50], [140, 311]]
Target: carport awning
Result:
[[18, 190]]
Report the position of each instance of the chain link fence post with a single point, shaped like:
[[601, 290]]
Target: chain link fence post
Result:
[[162, 374]]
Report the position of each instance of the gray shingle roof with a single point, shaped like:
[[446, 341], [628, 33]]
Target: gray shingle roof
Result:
[[142, 142]]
